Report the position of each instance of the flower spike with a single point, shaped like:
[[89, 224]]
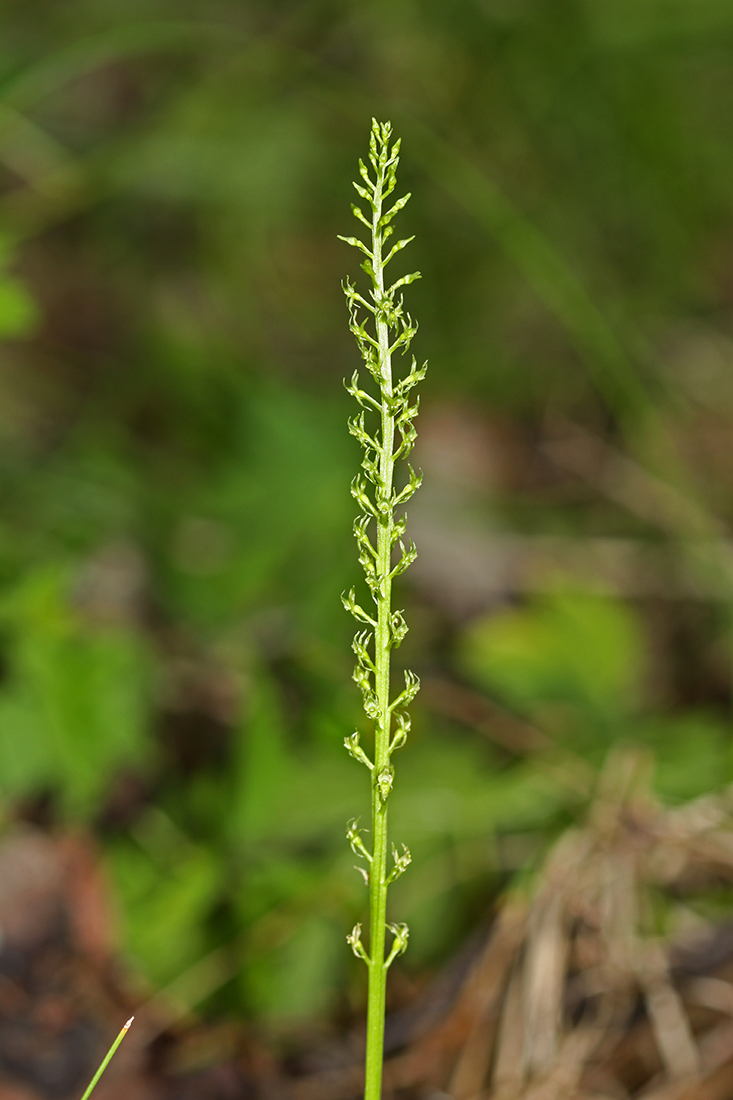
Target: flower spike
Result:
[[384, 428]]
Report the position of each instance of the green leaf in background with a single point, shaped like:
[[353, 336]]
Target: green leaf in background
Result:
[[567, 647], [167, 894], [19, 311], [692, 752], [262, 767], [298, 980], [19, 314], [75, 698]]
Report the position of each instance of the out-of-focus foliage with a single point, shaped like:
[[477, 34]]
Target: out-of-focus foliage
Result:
[[175, 521], [75, 700], [577, 649]]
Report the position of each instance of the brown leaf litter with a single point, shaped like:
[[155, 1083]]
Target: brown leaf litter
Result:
[[600, 982]]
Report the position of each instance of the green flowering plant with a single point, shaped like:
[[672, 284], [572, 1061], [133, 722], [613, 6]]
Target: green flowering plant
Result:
[[385, 429]]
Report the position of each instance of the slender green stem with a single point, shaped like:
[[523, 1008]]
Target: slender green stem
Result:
[[394, 439], [107, 1059]]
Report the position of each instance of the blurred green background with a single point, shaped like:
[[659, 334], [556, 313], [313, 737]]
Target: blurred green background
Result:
[[175, 527]]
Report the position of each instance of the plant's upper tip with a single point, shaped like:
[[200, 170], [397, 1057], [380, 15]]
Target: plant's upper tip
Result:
[[125, 1028]]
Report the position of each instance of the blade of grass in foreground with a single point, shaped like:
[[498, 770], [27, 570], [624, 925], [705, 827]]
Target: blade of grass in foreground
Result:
[[107, 1059]]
